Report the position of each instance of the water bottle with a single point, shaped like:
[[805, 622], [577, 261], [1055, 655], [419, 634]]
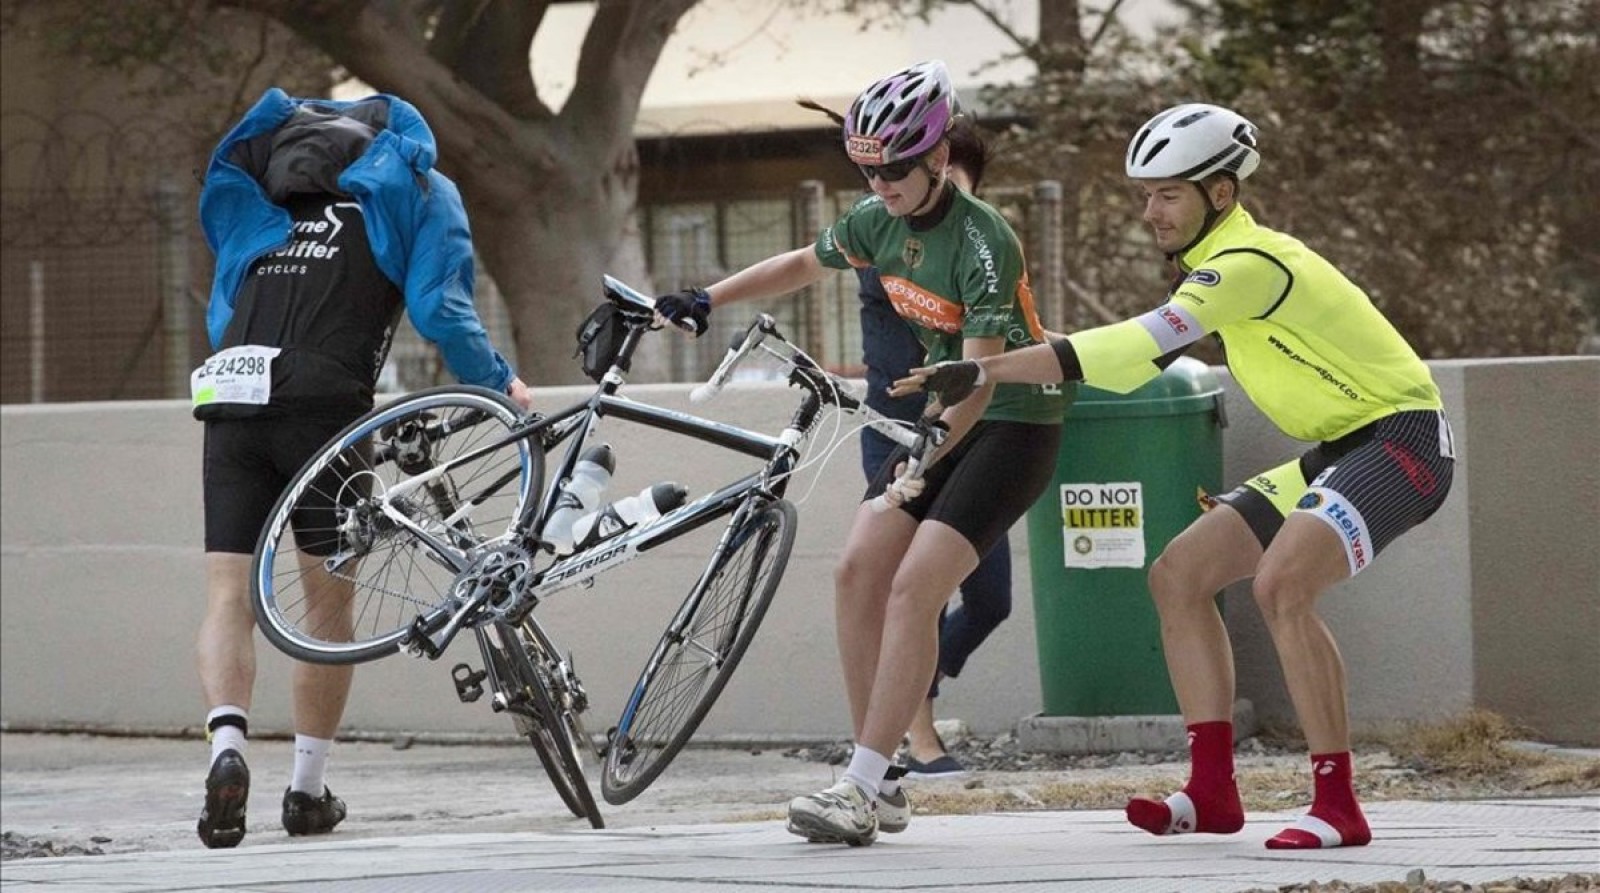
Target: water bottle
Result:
[[625, 514], [580, 495]]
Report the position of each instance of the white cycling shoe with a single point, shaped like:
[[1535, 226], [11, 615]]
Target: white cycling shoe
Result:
[[894, 812], [843, 813]]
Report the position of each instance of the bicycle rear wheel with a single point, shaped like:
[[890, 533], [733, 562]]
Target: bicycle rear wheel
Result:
[[700, 649], [540, 715], [341, 572]]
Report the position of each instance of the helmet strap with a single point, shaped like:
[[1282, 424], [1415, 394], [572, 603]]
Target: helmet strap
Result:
[[936, 184], [1212, 213]]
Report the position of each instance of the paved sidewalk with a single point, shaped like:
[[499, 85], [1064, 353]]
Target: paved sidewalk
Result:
[[1074, 852], [483, 819]]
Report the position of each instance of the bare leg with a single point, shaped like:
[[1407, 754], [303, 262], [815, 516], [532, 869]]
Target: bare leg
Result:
[[225, 653], [862, 582], [925, 745], [938, 559], [1217, 549], [321, 691], [1305, 559]]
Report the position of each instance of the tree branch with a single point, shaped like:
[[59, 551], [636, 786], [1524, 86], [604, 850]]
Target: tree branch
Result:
[[500, 37], [1105, 23], [1029, 48], [389, 55], [455, 22], [620, 50]]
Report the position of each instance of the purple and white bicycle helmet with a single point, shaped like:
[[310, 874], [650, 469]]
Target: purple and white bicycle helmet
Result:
[[900, 116]]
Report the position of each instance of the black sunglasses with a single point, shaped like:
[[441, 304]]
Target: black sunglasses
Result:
[[893, 172]]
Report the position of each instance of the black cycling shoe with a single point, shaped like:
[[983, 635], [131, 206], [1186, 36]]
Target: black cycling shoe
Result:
[[305, 814], [227, 790]]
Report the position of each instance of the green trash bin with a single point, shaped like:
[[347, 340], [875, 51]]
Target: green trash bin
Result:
[[1127, 481]]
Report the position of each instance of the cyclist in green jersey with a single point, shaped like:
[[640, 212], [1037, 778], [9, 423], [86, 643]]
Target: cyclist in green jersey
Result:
[[1310, 350], [953, 269]]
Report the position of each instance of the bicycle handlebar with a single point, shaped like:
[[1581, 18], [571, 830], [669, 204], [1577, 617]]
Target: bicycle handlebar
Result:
[[922, 439], [929, 434], [738, 349]]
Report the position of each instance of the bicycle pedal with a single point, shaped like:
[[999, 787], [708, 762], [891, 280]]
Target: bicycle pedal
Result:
[[469, 682]]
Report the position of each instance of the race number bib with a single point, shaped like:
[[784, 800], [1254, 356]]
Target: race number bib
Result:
[[237, 375]]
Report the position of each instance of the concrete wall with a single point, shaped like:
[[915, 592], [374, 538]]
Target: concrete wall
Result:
[[1492, 603]]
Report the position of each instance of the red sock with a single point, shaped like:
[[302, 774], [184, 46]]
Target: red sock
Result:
[[1209, 803], [1335, 819]]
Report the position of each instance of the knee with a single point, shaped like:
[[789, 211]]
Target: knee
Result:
[[909, 603], [852, 575], [1278, 596], [1167, 581]]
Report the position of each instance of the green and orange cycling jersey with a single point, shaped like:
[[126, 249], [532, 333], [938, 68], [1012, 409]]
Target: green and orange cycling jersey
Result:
[[958, 273], [1305, 343]]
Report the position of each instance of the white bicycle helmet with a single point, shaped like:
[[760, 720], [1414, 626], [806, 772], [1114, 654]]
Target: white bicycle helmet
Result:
[[900, 116], [1192, 142]]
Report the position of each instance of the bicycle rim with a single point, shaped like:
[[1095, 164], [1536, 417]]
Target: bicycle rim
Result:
[[698, 654], [337, 579], [546, 725]]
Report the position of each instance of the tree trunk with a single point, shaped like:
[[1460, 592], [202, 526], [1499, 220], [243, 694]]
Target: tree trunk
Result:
[[548, 192], [548, 255]]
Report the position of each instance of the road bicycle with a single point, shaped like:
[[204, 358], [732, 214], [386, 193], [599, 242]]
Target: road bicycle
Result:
[[426, 517]]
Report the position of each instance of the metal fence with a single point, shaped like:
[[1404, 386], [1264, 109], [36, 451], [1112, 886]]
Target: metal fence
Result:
[[102, 292], [97, 298], [697, 243]]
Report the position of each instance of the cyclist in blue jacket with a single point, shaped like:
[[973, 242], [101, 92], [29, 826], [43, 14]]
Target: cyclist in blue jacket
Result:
[[327, 219]]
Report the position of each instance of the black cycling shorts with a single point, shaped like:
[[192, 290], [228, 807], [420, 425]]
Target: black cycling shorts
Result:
[[248, 464], [983, 485], [1370, 486]]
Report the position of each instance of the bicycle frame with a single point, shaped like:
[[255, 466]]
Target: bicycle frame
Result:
[[575, 425], [495, 576]]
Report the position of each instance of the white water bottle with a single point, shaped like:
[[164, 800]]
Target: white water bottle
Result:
[[580, 495], [626, 514]]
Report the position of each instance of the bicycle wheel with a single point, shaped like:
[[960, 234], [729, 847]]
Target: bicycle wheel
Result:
[[700, 649], [341, 575], [540, 715]]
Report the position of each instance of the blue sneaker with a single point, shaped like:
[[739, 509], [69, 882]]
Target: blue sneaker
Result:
[[945, 766]]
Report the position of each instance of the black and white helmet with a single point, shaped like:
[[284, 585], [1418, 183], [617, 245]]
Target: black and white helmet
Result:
[[1192, 142]]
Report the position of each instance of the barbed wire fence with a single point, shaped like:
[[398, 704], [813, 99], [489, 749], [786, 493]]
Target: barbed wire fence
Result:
[[99, 296], [105, 274]]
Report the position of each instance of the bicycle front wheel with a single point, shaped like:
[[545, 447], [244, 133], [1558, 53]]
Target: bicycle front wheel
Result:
[[365, 543], [700, 649], [542, 716]]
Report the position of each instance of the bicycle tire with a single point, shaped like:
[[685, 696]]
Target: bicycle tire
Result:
[[719, 620], [544, 723], [394, 579]]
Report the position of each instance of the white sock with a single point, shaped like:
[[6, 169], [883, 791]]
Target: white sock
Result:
[[310, 764], [889, 787], [226, 737], [866, 769]]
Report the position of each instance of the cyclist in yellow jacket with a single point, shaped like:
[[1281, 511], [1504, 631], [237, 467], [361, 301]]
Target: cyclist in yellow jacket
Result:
[[1312, 352]]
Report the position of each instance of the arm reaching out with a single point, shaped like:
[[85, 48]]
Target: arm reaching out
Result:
[[955, 381]]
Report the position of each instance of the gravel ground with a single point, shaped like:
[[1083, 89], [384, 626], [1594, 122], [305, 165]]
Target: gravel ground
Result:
[[1261, 762], [75, 795]]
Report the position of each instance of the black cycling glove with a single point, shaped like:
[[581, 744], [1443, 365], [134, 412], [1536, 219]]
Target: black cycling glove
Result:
[[954, 381], [689, 309]]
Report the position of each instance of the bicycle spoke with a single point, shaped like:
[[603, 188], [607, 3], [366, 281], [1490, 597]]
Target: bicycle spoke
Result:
[[696, 657], [384, 575]]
